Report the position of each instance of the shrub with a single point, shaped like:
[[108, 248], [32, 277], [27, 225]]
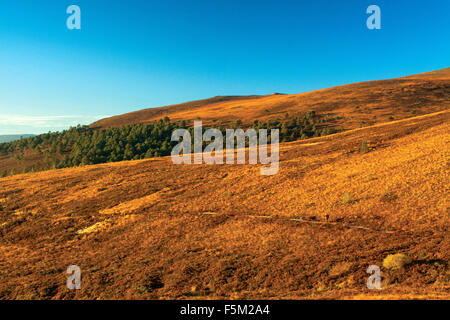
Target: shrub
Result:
[[340, 268], [396, 261], [227, 194], [327, 131], [364, 147], [310, 114], [347, 198]]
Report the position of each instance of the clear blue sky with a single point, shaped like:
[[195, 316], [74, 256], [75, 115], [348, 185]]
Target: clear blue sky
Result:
[[134, 54]]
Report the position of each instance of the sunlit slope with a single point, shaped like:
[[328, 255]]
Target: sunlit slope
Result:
[[442, 74], [152, 229], [350, 106]]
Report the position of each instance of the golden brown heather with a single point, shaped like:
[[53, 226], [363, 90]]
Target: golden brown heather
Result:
[[350, 106], [138, 230]]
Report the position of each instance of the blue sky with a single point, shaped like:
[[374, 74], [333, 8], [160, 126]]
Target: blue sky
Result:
[[133, 54]]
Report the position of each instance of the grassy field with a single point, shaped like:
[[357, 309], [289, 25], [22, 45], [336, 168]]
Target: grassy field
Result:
[[150, 229]]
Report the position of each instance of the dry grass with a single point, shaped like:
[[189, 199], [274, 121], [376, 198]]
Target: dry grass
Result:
[[345, 107], [396, 261], [348, 106], [137, 228]]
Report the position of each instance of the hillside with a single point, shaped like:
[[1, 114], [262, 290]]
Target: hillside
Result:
[[144, 134], [148, 229], [84, 146], [350, 106]]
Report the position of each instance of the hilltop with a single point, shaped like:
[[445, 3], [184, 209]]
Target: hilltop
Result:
[[350, 106]]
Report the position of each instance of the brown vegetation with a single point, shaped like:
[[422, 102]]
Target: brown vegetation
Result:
[[149, 229], [350, 106]]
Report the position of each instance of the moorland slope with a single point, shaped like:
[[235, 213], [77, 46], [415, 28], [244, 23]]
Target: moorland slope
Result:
[[149, 229], [350, 106]]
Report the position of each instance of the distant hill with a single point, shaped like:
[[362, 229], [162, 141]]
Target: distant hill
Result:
[[350, 106], [12, 137]]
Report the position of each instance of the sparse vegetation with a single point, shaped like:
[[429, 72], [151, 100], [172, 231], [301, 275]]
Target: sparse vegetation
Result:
[[347, 198], [340, 269], [364, 147]]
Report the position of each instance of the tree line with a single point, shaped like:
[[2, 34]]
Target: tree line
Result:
[[82, 145]]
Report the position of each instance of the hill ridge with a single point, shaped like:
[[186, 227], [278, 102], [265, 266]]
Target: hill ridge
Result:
[[392, 94]]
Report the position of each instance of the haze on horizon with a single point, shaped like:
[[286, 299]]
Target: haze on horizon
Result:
[[135, 55]]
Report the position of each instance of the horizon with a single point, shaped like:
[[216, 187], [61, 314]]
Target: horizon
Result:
[[132, 56]]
